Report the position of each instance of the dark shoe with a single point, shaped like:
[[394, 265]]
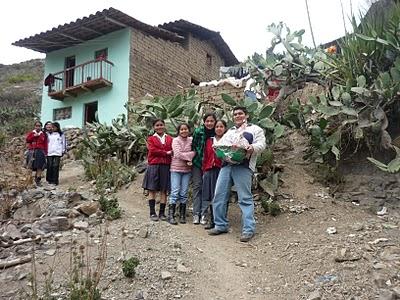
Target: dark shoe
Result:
[[37, 181], [196, 219], [171, 214], [152, 206], [161, 213], [216, 231], [245, 237], [182, 213], [154, 217], [210, 225]]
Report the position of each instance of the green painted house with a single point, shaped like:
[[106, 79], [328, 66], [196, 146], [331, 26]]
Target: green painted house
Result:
[[96, 64]]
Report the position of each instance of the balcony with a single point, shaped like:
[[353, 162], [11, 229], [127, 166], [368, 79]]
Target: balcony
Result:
[[87, 77]]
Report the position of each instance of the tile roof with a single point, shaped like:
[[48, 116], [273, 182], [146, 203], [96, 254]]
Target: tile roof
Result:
[[110, 20]]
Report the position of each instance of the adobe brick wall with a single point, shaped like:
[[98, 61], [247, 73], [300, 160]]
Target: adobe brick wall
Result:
[[212, 94], [161, 67]]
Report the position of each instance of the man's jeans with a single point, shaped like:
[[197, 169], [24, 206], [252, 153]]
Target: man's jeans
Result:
[[241, 176], [179, 187]]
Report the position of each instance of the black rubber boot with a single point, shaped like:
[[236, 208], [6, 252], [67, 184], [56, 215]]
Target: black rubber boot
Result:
[[171, 214], [182, 213], [152, 205], [161, 214], [210, 224], [37, 180]]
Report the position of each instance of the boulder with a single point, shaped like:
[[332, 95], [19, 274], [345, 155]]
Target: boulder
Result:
[[88, 208], [73, 197], [81, 225], [29, 211], [12, 232], [51, 224]]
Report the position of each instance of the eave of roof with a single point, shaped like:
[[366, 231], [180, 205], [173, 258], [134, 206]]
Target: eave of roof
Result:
[[182, 26], [87, 28], [110, 20]]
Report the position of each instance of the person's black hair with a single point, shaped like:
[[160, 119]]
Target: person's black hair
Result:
[[157, 120], [38, 122], [58, 128], [223, 122], [48, 122], [209, 114], [242, 108], [178, 128]]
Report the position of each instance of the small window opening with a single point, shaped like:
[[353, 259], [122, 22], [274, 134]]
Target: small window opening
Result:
[[209, 59], [101, 54], [194, 81]]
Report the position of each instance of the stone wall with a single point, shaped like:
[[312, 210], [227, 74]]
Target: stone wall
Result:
[[161, 67]]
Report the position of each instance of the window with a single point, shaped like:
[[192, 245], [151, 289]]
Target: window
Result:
[[62, 113], [101, 54], [194, 81], [70, 63], [209, 59], [90, 113]]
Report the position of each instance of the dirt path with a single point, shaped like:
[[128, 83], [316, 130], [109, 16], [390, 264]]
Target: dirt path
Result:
[[291, 257]]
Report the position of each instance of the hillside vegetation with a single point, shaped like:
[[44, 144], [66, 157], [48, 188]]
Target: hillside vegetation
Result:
[[20, 94]]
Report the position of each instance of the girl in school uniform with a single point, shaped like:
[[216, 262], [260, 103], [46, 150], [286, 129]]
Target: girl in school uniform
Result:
[[157, 177], [211, 166], [200, 135], [36, 141], [56, 148], [181, 168]]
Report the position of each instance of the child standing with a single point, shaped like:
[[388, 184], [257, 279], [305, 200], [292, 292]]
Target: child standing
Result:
[[157, 177], [37, 148], [211, 166], [56, 148], [181, 167], [200, 135]]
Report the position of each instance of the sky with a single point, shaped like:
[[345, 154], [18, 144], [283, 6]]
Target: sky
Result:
[[242, 24]]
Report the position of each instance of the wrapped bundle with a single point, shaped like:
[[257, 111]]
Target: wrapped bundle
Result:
[[230, 154], [232, 150]]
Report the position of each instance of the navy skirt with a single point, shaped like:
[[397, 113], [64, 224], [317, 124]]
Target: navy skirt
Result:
[[209, 182], [157, 178], [36, 159]]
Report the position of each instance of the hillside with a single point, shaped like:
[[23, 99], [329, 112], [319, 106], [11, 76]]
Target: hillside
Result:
[[20, 94]]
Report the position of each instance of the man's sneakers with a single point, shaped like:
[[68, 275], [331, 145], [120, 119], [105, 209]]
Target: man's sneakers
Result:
[[246, 237], [216, 231]]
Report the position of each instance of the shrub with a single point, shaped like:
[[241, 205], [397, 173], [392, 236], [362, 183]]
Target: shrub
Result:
[[270, 206], [129, 265], [22, 78], [110, 206]]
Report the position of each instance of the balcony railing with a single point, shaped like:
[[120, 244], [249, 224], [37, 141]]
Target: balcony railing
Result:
[[79, 79]]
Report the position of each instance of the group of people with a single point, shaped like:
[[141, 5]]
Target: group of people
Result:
[[46, 145], [174, 162]]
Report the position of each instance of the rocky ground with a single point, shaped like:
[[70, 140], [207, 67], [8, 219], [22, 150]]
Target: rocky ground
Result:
[[318, 248]]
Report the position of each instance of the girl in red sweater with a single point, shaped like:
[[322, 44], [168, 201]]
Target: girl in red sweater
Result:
[[211, 166], [37, 150], [157, 177]]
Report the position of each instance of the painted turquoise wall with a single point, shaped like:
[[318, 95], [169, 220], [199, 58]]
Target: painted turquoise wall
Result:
[[110, 100]]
